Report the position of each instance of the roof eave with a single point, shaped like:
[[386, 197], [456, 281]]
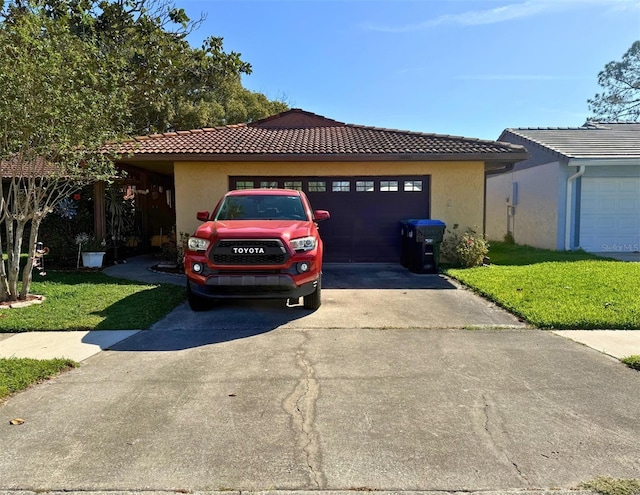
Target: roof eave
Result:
[[599, 161], [489, 158]]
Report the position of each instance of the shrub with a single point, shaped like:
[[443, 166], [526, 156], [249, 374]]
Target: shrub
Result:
[[173, 251], [182, 244], [466, 250], [508, 238]]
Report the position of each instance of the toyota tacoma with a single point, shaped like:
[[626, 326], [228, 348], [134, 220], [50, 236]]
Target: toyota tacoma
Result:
[[257, 243]]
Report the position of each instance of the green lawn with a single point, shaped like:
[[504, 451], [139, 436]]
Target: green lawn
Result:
[[91, 301], [18, 374], [549, 289], [501, 253]]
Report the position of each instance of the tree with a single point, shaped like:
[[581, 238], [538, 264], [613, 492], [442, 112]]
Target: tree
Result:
[[229, 103], [170, 84], [620, 99], [77, 73], [61, 99]]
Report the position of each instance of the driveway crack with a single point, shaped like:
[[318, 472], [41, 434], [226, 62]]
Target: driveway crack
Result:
[[301, 406], [495, 440]]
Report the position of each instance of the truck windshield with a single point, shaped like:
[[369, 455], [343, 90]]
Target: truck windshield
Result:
[[256, 207]]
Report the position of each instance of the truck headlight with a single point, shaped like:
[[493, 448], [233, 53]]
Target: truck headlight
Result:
[[198, 244], [303, 243]]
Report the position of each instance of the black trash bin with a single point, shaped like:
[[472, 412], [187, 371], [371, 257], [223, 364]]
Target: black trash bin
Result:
[[421, 241]]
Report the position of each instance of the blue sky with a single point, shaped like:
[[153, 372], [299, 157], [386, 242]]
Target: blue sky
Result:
[[460, 67]]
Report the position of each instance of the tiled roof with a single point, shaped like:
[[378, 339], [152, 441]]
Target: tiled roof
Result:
[[34, 168], [592, 140], [301, 134]]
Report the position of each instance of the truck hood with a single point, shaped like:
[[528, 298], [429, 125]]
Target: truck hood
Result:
[[252, 229]]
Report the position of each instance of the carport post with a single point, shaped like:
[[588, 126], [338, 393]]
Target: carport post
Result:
[[99, 214]]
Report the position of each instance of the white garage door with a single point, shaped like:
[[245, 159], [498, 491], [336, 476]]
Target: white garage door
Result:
[[610, 214]]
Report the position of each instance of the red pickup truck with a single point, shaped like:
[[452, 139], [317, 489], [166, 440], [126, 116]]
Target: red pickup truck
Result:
[[257, 243]]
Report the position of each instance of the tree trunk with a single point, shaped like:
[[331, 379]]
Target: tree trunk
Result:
[[4, 287], [27, 271], [14, 245]]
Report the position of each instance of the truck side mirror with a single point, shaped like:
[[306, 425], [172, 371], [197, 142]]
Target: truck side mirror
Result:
[[203, 216], [320, 215]]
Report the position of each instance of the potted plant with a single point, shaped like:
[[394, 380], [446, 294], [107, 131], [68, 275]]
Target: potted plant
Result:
[[92, 250]]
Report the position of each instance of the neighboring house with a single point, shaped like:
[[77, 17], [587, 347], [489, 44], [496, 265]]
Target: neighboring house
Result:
[[579, 189], [368, 178]]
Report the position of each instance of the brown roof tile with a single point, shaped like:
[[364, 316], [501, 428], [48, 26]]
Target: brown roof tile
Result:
[[304, 134], [26, 168]]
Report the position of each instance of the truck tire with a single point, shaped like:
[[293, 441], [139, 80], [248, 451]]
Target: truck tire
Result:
[[314, 300], [197, 303]]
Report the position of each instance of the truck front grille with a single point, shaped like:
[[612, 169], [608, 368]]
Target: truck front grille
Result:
[[249, 252]]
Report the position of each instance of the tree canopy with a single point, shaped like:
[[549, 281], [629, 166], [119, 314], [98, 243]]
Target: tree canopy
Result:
[[170, 85], [620, 82], [58, 92]]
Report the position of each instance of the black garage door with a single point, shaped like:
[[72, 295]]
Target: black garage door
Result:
[[365, 211]]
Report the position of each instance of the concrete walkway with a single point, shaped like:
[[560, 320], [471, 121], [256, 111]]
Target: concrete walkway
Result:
[[616, 343], [77, 346]]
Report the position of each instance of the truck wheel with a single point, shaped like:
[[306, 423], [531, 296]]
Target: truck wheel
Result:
[[313, 300], [197, 303]]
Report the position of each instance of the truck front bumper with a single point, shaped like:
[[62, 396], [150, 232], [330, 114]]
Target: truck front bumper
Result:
[[253, 286]]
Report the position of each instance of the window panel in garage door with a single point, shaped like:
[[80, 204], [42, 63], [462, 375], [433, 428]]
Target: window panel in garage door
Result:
[[365, 212]]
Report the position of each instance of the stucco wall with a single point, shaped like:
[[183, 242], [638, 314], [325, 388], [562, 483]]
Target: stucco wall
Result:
[[499, 188], [457, 188], [534, 219]]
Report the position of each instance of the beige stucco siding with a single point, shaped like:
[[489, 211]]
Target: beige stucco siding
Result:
[[534, 219], [457, 188]]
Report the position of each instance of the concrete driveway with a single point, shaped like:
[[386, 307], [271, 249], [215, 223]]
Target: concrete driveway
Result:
[[360, 296], [396, 387]]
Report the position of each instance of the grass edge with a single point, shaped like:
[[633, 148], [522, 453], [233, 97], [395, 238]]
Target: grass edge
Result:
[[612, 486], [632, 361], [60, 365]]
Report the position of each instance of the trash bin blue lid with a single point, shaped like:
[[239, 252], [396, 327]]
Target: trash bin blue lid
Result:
[[422, 222]]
